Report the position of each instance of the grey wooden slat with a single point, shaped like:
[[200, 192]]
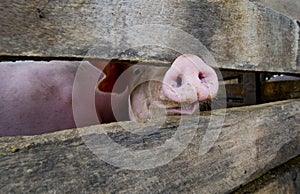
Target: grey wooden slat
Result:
[[286, 7], [282, 179], [240, 34], [253, 140]]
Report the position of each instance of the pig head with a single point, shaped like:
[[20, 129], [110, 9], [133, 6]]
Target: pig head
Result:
[[152, 91]]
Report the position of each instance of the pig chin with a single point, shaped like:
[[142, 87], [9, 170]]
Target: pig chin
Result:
[[147, 101]]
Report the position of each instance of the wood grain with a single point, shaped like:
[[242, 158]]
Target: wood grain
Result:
[[282, 179], [239, 34]]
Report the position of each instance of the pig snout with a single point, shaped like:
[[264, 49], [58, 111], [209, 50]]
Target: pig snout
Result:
[[189, 80]]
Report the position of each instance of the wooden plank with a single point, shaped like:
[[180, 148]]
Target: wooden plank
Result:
[[250, 88], [242, 88], [252, 141], [298, 57], [282, 179], [289, 8], [286, 7], [234, 91], [280, 90], [227, 75], [239, 34]]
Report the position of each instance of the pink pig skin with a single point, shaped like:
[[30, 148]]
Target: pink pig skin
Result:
[[36, 97]]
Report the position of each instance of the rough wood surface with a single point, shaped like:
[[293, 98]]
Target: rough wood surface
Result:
[[282, 179], [286, 7], [280, 90], [239, 34], [250, 88], [289, 8], [252, 140]]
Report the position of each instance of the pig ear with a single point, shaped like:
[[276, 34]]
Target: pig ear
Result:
[[112, 70]]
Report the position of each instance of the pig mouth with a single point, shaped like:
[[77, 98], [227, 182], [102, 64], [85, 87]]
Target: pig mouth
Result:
[[174, 108], [147, 101], [187, 106]]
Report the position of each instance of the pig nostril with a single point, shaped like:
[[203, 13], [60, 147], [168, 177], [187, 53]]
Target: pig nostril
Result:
[[179, 81], [201, 76]]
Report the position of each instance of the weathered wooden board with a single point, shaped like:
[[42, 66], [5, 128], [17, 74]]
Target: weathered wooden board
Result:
[[239, 34], [287, 7], [234, 91], [275, 91], [282, 179], [242, 88], [252, 140], [248, 88]]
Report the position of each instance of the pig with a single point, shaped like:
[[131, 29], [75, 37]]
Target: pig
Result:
[[36, 97]]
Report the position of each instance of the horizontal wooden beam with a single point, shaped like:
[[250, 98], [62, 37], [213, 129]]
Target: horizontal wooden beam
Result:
[[280, 90], [239, 34], [246, 144], [282, 179]]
